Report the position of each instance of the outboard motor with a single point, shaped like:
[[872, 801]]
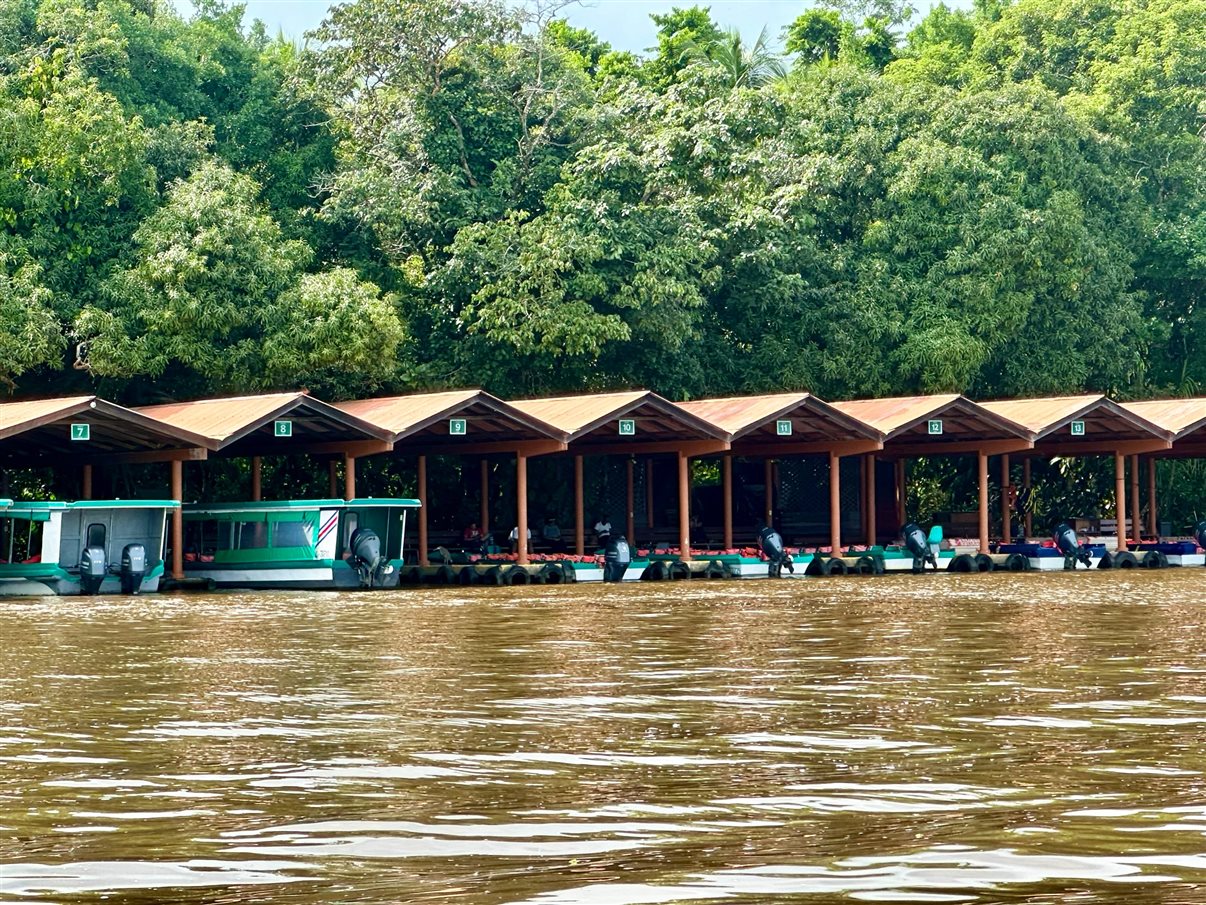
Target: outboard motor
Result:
[[772, 546], [616, 558], [92, 570], [133, 567], [1200, 534], [365, 556], [918, 544], [1065, 540]]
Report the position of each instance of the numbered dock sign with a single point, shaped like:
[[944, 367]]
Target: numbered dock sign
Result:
[[783, 428], [81, 432], [935, 427], [458, 427], [1078, 428], [627, 427], [283, 429]]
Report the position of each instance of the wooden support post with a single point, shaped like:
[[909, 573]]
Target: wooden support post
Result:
[[769, 480], [422, 495], [1136, 526], [862, 494], [521, 508], [178, 520], [579, 509], [349, 477], [982, 461], [333, 479], [1026, 483], [630, 501], [1120, 497], [649, 499], [484, 524], [257, 475], [726, 479], [902, 495], [1153, 526], [871, 526], [86, 483], [684, 507], [835, 504], [1006, 503]]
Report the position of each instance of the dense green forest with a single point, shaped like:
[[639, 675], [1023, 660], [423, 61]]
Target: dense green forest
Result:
[[429, 193]]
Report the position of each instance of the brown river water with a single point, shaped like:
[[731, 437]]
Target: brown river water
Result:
[[938, 738]]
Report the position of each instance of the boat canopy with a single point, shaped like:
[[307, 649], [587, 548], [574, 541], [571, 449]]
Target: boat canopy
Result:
[[124, 504], [382, 503], [289, 510], [38, 511]]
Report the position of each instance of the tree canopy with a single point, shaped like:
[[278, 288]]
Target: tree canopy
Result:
[[430, 193]]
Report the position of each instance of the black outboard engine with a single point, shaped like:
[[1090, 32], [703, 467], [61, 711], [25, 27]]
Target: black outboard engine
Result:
[[1199, 534], [918, 544], [133, 567], [92, 570], [365, 557], [616, 558], [1065, 540], [772, 546]]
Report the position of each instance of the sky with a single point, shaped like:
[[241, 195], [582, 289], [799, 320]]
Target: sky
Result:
[[625, 24]]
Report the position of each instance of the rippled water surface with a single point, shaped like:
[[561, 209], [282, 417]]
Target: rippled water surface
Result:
[[978, 738]]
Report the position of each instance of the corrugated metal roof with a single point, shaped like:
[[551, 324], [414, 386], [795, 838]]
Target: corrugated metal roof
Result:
[[1181, 416], [17, 416], [1039, 414], [886, 415], [219, 419], [737, 413], [401, 413], [572, 413], [740, 415]]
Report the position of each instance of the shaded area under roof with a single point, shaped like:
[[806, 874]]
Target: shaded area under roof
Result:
[[246, 425], [1083, 425], [425, 422], [40, 432], [594, 423], [946, 424], [783, 423]]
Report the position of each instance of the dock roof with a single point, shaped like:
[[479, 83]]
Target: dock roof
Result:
[[49, 431], [783, 423], [637, 421], [1082, 425], [247, 425], [466, 422], [937, 425], [1185, 419]]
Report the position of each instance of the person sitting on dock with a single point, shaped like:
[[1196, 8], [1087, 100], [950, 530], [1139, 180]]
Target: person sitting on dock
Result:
[[513, 537], [471, 540], [551, 535], [603, 530]]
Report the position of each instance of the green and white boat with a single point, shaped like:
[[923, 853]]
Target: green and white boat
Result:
[[85, 547], [297, 544]]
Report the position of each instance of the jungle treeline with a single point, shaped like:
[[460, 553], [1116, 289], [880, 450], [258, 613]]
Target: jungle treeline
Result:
[[1002, 201]]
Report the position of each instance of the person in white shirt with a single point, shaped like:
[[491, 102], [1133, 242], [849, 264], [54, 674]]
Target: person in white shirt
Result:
[[513, 537], [603, 529]]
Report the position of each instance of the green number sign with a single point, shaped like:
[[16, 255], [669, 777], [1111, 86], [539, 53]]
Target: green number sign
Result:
[[935, 427], [81, 432], [1078, 428], [458, 427], [283, 429], [783, 428], [627, 427]]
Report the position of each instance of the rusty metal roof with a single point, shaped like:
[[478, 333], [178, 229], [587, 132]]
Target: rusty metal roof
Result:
[[1095, 419], [423, 417], [1180, 416], [244, 425], [810, 417], [42, 428], [599, 414]]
